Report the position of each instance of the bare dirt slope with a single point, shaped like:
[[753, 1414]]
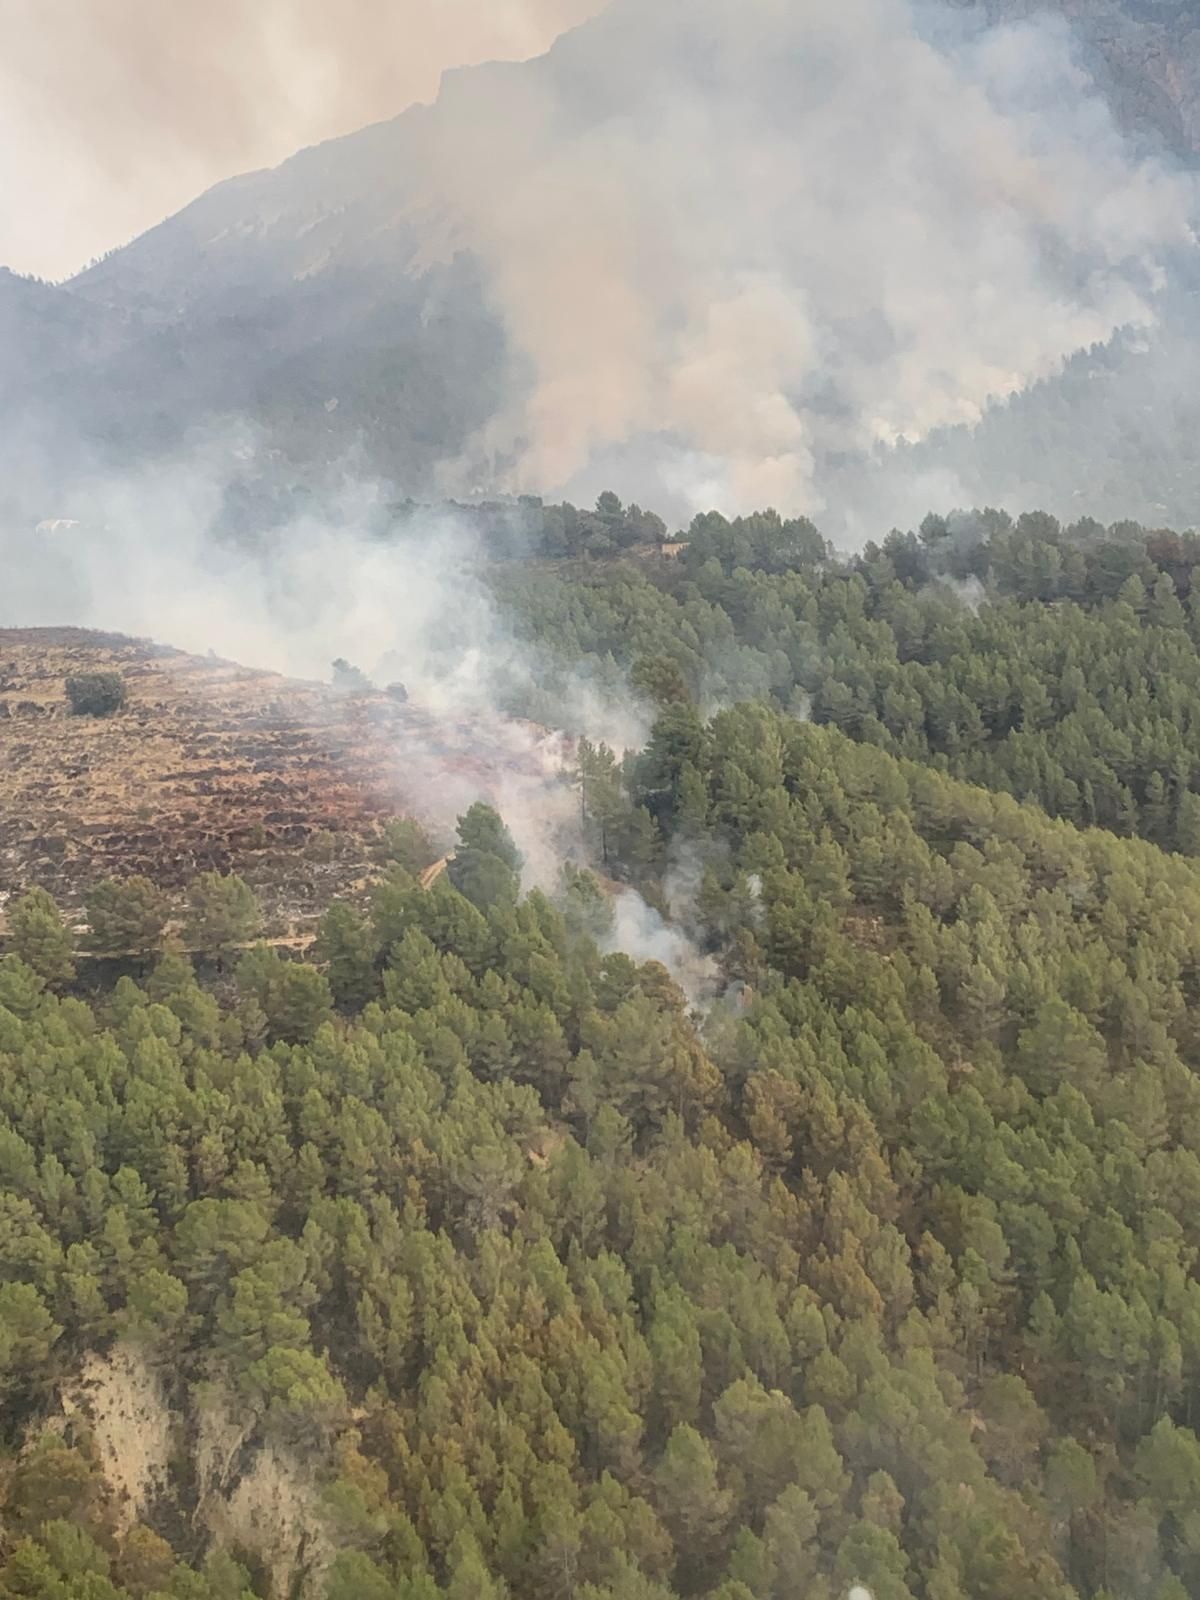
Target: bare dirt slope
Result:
[[210, 765]]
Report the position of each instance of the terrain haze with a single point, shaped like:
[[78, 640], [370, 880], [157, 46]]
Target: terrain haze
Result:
[[631, 260], [226, 88]]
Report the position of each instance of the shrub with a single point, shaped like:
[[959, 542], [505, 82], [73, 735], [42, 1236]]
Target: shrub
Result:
[[349, 679], [96, 694]]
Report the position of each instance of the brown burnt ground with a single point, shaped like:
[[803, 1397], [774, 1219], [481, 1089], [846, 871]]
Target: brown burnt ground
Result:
[[210, 765]]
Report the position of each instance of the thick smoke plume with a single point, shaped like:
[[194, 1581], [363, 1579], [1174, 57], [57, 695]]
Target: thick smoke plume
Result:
[[735, 246], [411, 604], [731, 242], [114, 114]]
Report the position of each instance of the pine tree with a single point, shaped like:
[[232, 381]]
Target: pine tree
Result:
[[39, 937], [222, 913], [126, 917]]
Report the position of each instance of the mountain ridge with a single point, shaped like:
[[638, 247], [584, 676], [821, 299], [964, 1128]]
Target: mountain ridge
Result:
[[332, 305]]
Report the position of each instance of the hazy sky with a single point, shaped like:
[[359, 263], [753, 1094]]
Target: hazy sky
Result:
[[114, 113]]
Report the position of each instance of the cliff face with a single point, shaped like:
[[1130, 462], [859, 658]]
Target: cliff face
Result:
[[1145, 54], [192, 1461]]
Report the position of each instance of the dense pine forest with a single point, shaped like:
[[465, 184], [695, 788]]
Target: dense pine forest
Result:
[[871, 1262], [1057, 664]]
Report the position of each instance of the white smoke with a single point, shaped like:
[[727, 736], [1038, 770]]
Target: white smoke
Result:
[[739, 250], [641, 932], [759, 234], [412, 609], [409, 603], [969, 592]]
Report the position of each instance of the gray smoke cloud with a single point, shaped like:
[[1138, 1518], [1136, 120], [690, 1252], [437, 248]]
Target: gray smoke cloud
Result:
[[115, 112], [413, 609], [412, 606], [731, 242]]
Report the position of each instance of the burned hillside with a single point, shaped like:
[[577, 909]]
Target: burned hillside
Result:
[[214, 766]]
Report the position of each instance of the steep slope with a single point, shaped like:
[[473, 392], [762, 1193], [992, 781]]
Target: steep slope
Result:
[[1107, 437], [45, 330], [525, 1281], [209, 767]]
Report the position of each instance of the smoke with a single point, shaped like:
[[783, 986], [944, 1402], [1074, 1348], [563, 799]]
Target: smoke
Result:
[[682, 883], [113, 115], [411, 607], [729, 245], [402, 600], [408, 607], [732, 243], [969, 592], [643, 933], [738, 251]]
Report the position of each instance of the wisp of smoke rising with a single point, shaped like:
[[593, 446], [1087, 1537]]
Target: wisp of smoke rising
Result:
[[641, 932], [413, 610]]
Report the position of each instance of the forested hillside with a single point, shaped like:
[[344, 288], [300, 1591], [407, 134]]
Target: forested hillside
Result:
[[754, 1158], [882, 1272], [1146, 54], [1058, 664]]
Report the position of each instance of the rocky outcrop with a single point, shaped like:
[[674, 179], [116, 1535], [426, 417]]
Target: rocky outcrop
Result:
[[123, 1400], [1144, 54], [254, 1494], [193, 1461]]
